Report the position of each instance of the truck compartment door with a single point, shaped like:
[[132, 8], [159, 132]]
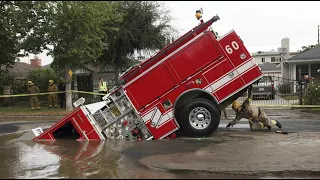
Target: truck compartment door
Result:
[[234, 49], [199, 53], [245, 68], [150, 86]]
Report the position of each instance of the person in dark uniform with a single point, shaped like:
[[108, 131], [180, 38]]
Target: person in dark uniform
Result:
[[62, 96]]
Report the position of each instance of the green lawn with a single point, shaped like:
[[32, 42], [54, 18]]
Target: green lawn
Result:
[[290, 97], [27, 111]]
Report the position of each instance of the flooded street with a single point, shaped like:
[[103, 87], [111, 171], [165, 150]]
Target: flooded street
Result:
[[115, 159], [112, 159], [75, 159]]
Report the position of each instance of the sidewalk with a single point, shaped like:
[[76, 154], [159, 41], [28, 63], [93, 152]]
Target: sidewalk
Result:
[[248, 154], [26, 114]]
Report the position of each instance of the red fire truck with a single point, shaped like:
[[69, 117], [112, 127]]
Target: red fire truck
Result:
[[184, 86]]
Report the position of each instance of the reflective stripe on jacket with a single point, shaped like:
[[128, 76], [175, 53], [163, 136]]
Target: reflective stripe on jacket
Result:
[[102, 86]]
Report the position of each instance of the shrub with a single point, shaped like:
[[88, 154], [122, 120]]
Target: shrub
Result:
[[40, 78], [312, 94]]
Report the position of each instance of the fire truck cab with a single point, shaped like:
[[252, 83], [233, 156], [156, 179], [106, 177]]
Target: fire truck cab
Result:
[[184, 86]]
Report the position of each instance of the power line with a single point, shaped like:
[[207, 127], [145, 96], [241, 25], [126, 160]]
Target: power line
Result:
[[318, 35]]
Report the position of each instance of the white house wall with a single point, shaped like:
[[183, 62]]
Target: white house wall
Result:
[[267, 57], [259, 59], [285, 71]]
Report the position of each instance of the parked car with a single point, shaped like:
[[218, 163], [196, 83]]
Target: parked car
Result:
[[264, 88]]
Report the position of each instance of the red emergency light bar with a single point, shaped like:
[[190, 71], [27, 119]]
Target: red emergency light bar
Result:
[[167, 50]]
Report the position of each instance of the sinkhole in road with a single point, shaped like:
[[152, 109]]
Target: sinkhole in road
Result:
[[67, 131]]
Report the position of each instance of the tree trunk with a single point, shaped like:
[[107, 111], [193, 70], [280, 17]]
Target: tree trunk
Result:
[[68, 88], [116, 74]]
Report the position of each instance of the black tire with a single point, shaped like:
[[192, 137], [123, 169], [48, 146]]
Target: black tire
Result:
[[207, 106]]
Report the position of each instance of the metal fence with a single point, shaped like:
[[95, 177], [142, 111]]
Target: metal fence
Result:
[[283, 92]]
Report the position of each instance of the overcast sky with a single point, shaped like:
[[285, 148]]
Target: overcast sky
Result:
[[261, 24]]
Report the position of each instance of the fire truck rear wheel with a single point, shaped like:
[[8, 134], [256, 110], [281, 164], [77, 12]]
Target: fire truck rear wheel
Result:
[[200, 117]]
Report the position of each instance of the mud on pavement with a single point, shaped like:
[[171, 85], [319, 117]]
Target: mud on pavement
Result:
[[249, 154]]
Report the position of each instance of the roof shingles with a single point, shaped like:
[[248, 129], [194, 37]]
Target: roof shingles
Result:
[[307, 55]]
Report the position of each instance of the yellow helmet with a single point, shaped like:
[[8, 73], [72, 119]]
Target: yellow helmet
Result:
[[235, 105], [30, 82], [198, 15], [50, 81]]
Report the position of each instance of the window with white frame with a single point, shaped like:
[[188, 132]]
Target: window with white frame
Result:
[[263, 60]]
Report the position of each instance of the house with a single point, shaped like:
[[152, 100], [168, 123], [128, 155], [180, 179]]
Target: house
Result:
[[276, 57], [270, 56], [86, 78], [20, 70], [305, 63]]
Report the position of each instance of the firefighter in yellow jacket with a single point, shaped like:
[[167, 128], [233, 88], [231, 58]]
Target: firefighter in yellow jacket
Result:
[[53, 98], [34, 101], [256, 116]]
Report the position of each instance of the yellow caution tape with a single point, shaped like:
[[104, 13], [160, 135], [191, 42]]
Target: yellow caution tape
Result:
[[36, 94], [93, 93], [19, 95], [85, 92]]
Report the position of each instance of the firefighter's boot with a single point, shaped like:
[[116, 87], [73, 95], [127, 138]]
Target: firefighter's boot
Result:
[[279, 124]]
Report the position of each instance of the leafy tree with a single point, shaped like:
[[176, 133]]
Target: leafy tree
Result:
[[145, 26], [74, 31], [41, 77], [15, 22], [306, 48], [6, 79]]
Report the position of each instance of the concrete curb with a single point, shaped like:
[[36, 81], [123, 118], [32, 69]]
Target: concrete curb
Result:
[[300, 173], [13, 118]]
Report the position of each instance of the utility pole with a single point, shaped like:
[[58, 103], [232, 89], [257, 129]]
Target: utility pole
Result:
[[318, 35]]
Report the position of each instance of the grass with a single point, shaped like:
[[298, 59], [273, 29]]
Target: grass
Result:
[[45, 111], [290, 97]]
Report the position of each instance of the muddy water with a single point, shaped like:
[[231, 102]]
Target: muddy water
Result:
[[73, 159], [102, 159]]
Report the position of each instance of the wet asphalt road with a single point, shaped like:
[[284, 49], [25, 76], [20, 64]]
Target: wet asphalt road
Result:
[[115, 159]]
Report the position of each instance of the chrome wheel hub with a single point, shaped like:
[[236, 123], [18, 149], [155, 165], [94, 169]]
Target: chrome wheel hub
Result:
[[199, 118]]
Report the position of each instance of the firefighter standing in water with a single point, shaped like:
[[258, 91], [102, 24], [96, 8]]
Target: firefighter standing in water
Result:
[[256, 116], [53, 99], [102, 87], [34, 101]]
